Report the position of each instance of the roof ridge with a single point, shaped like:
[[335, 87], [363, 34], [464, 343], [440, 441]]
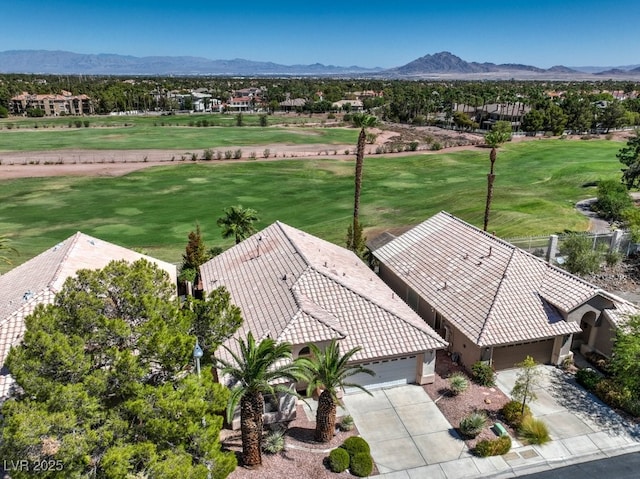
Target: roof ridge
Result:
[[297, 296], [74, 240], [488, 235], [292, 242], [495, 296], [372, 301]]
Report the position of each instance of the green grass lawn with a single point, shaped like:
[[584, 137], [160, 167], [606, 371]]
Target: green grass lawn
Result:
[[536, 186], [138, 137]]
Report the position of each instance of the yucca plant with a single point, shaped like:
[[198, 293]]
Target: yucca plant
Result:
[[458, 383], [347, 424], [473, 424], [534, 431], [274, 442]]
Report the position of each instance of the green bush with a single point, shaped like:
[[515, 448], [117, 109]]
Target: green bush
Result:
[[361, 464], [495, 447], [512, 412], [534, 431], [458, 383], [338, 460], [274, 442], [355, 445], [473, 424], [483, 374], [588, 378], [612, 394]]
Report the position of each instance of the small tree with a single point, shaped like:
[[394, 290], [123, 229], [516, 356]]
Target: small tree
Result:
[[613, 199], [630, 157], [500, 132], [527, 380], [625, 360], [237, 222], [580, 257]]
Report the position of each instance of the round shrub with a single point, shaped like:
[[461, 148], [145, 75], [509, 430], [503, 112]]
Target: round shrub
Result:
[[495, 447], [483, 374], [361, 464], [355, 445], [338, 460], [612, 394], [458, 383], [588, 378], [512, 412], [473, 424]]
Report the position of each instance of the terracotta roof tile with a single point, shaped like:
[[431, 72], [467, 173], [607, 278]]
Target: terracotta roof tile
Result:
[[494, 292], [302, 289]]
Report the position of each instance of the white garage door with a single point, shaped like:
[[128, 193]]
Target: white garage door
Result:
[[389, 372]]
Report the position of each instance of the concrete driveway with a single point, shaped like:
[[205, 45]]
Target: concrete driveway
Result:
[[405, 430], [579, 424]]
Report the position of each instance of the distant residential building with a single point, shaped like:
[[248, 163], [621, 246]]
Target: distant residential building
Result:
[[53, 105], [353, 105]]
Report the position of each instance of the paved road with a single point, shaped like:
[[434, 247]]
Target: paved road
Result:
[[619, 467]]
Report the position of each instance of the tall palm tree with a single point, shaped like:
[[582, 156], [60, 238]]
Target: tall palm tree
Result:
[[237, 222], [329, 370], [255, 369], [500, 132], [5, 247], [362, 121]]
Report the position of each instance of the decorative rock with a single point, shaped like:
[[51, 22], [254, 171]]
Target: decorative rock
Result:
[[487, 401]]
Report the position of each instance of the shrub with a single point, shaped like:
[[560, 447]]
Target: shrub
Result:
[[237, 154], [228, 154], [495, 447], [338, 460], [78, 123], [473, 424], [588, 378], [207, 154], [612, 394], [458, 383], [86, 123], [413, 146], [436, 145], [483, 374], [534, 431], [354, 445], [266, 153], [361, 464], [512, 412], [274, 442], [347, 424]]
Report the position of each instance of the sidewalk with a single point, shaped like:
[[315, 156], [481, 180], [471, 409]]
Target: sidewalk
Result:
[[582, 429]]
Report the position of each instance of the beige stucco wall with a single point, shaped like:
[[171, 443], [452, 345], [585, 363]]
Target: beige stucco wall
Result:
[[426, 370], [605, 334]]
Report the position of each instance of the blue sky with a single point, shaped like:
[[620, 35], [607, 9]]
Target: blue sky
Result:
[[365, 33]]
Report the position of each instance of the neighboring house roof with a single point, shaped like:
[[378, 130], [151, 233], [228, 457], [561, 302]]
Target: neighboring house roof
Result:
[[494, 292], [38, 280], [295, 287]]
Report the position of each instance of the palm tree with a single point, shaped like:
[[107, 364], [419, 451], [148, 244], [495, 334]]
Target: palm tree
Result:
[[500, 132], [238, 222], [329, 370], [5, 247], [362, 121], [255, 369]]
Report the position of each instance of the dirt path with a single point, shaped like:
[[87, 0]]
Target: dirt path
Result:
[[78, 162]]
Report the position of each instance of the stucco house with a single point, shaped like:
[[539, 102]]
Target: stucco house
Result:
[[494, 302], [295, 287], [38, 280]]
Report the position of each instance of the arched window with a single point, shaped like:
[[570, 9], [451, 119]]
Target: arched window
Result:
[[304, 352]]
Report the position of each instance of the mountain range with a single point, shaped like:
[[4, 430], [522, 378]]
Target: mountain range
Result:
[[438, 65]]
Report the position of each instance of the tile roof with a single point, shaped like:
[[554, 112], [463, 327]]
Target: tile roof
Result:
[[38, 280], [295, 287], [494, 292]]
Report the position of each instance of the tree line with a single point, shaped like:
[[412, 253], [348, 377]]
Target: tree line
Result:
[[575, 106]]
